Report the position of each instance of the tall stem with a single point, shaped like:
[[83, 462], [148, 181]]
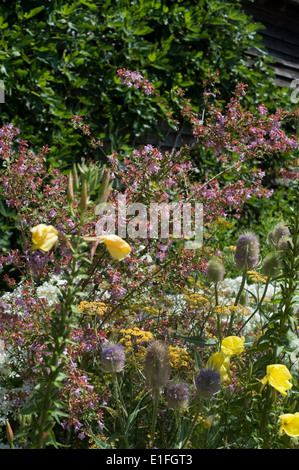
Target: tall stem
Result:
[[155, 413], [258, 305], [219, 326], [119, 410], [237, 298], [46, 395], [192, 426]]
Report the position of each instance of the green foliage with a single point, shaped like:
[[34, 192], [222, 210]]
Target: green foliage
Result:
[[60, 58]]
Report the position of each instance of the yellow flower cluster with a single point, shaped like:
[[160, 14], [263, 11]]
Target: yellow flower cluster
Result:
[[151, 311], [135, 336], [92, 308], [256, 277], [221, 222], [179, 358], [232, 309], [222, 310], [195, 300]]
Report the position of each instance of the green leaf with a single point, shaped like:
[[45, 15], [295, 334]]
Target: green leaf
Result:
[[183, 435], [33, 12], [101, 444], [198, 341]]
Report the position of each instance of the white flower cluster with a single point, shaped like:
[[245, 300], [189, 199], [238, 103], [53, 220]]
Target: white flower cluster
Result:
[[49, 290]]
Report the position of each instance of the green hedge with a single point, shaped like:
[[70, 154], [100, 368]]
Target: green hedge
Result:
[[60, 58]]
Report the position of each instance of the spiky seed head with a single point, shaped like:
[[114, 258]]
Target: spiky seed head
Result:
[[113, 358], [247, 251], [215, 270], [208, 382], [177, 396], [156, 365], [280, 230], [270, 266]]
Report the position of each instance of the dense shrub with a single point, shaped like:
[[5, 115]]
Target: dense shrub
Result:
[[60, 58]]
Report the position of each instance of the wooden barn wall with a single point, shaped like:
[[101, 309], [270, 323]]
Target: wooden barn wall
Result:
[[280, 36]]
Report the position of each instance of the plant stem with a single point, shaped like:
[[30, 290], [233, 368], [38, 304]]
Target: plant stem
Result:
[[258, 305], [119, 410], [219, 326], [238, 298], [46, 395], [155, 413], [178, 420], [192, 426]]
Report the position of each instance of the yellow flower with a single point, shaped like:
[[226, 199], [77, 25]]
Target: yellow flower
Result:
[[92, 308], [220, 362], [139, 336], [256, 277], [44, 237], [209, 421], [116, 246], [232, 345], [289, 424], [278, 377], [178, 357]]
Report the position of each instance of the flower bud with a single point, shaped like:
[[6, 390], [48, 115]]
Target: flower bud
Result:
[[247, 251], [270, 266], [70, 190], [243, 298], [215, 270], [9, 432], [113, 358], [178, 396], [209, 421], [280, 230], [207, 383], [156, 365], [84, 198], [75, 179], [117, 247], [284, 243]]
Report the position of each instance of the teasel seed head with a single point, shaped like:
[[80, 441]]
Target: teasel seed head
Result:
[[215, 270], [177, 396], [113, 358], [280, 230], [208, 382], [270, 265], [284, 243], [247, 251], [156, 365]]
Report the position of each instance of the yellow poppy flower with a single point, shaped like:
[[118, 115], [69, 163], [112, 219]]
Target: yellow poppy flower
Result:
[[220, 362], [44, 237], [116, 246], [289, 424], [232, 345], [278, 376]]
